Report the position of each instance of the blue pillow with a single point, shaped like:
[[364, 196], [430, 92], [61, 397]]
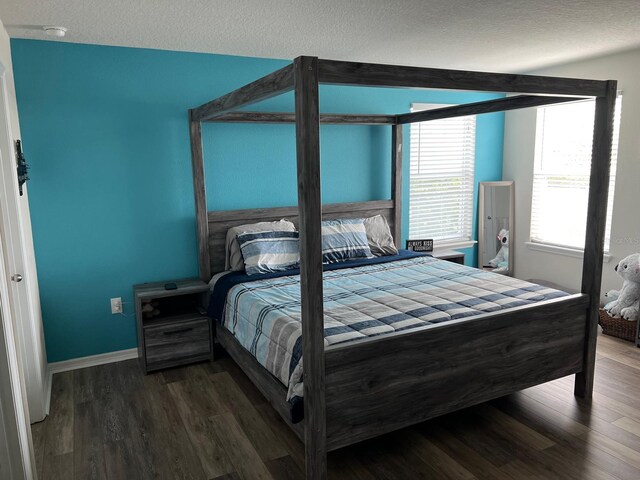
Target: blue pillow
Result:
[[344, 239], [273, 251]]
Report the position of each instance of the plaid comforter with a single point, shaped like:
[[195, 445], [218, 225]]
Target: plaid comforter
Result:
[[264, 315]]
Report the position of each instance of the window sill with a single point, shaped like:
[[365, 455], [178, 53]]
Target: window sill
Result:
[[565, 251], [454, 245]]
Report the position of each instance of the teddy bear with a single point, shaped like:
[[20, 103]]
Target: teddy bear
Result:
[[627, 303], [500, 263], [611, 296]]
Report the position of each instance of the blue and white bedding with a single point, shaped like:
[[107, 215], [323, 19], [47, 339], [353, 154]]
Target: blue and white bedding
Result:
[[344, 239], [361, 299]]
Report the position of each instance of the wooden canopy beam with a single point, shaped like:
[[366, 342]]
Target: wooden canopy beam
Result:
[[489, 106], [286, 117], [275, 83], [380, 75]]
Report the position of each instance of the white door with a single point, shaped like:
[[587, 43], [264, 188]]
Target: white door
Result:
[[5, 456], [16, 450], [19, 261]]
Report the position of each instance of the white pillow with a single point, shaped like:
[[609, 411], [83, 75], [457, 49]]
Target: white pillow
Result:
[[233, 254], [379, 236]]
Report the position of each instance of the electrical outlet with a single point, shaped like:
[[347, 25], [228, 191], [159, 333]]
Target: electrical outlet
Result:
[[116, 305]]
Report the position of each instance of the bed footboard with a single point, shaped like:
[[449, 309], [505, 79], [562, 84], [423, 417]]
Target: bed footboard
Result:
[[385, 383]]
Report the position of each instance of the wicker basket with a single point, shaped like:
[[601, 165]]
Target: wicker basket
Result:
[[618, 327]]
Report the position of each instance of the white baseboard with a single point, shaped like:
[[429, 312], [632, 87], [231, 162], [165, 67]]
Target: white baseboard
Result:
[[47, 391], [83, 362], [92, 361]]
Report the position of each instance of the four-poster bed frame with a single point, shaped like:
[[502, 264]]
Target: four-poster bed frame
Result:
[[354, 391]]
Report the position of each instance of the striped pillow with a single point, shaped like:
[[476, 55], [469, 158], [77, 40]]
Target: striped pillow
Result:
[[273, 251], [344, 239]]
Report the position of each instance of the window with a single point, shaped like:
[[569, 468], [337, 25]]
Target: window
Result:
[[564, 136], [442, 156]]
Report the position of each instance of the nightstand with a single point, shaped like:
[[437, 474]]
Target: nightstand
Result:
[[449, 255], [173, 327]]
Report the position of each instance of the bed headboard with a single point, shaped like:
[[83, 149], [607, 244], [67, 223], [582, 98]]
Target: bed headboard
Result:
[[212, 226], [221, 221]]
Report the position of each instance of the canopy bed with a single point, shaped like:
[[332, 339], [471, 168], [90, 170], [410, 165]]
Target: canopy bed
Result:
[[360, 389]]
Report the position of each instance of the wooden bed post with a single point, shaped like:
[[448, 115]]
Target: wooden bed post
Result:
[[396, 182], [199, 191], [594, 241], [310, 215]]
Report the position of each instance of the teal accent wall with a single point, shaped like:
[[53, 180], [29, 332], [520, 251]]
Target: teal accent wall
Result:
[[105, 132]]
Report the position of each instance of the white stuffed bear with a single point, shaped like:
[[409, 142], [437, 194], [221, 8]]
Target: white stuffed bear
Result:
[[500, 263], [627, 304], [611, 296]]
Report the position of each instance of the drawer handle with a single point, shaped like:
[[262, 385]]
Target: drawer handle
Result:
[[181, 330]]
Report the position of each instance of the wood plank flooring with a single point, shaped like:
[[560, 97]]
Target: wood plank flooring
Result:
[[208, 421]]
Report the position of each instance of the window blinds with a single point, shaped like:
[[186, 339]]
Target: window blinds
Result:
[[442, 156], [564, 137]]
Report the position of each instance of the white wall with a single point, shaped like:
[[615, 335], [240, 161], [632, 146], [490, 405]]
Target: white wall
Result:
[[518, 165]]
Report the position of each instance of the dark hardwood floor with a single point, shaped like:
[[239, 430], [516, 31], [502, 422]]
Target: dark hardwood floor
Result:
[[208, 421]]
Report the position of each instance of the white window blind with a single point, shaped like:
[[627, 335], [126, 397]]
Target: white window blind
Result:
[[442, 157], [564, 136]]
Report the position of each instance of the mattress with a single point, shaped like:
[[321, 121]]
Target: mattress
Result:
[[361, 299]]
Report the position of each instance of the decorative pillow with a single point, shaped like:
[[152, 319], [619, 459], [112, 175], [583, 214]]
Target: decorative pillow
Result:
[[344, 239], [233, 255], [379, 236], [273, 251]]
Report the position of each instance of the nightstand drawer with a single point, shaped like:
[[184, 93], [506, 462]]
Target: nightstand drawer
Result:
[[173, 342]]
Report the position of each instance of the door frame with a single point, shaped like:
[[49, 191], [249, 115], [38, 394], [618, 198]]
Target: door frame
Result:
[[16, 444], [14, 415], [18, 256]]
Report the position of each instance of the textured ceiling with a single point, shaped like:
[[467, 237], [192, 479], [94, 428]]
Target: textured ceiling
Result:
[[500, 35]]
